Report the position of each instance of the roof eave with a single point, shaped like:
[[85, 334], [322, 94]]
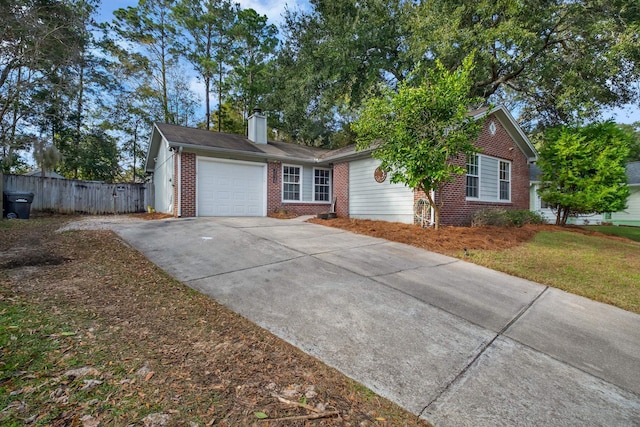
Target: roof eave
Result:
[[150, 163], [514, 130], [246, 154]]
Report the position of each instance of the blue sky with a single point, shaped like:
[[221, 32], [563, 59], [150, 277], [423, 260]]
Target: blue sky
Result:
[[274, 10]]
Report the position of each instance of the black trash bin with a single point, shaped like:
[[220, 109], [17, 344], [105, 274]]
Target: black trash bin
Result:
[[16, 204]]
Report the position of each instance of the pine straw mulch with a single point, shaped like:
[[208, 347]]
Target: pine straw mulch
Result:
[[449, 240], [135, 347]]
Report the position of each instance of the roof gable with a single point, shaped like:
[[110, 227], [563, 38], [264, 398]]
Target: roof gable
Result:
[[511, 126]]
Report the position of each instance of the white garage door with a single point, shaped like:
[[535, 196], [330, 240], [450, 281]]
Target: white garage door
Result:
[[230, 188]]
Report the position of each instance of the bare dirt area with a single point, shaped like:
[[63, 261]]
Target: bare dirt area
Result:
[[448, 240], [120, 343]]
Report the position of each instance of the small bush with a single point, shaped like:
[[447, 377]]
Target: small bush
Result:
[[483, 217], [505, 218]]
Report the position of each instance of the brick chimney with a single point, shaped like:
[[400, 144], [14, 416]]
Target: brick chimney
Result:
[[258, 127]]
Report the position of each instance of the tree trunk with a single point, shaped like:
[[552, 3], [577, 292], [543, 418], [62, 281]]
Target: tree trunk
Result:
[[220, 97], [436, 208], [79, 116], [135, 148], [207, 101]]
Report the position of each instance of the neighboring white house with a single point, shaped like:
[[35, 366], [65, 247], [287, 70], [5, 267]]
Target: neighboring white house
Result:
[[630, 216]]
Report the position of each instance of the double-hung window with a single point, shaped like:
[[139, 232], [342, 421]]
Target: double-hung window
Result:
[[291, 181], [488, 179], [505, 180], [321, 185], [473, 177]]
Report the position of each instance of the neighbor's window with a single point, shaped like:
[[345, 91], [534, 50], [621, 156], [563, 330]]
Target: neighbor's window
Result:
[[321, 185], [505, 180], [473, 177], [291, 179]]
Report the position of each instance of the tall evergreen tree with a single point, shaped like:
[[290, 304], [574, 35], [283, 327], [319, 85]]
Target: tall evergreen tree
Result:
[[255, 42], [150, 31], [207, 25]]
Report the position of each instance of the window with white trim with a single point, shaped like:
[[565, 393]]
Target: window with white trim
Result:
[[505, 180], [291, 179], [488, 179], [321, 185], [473, 177]]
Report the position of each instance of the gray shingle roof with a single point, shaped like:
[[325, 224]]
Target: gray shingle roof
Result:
[[232, 142], [633, 173], [534, 172], [205, 138]]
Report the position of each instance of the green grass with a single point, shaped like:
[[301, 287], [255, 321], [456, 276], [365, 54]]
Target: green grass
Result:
[[28, 338], [632, 233], [37, 347], [602, 269]]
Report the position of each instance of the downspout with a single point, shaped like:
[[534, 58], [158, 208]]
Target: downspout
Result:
[[432, 211], [179, 182]]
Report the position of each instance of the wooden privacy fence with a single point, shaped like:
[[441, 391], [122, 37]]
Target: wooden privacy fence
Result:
[[72, 196]]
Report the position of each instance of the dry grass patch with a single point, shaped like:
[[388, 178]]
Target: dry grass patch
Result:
[[103, 337]]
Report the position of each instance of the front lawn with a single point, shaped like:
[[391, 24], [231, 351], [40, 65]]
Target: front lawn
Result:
[[599, 268], [632, 233]]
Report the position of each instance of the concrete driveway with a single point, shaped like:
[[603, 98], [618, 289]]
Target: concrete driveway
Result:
[[456, 343]]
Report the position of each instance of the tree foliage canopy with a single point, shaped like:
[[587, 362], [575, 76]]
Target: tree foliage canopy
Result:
[[583, 169], [556, 61], [64, 77], [417, 131]]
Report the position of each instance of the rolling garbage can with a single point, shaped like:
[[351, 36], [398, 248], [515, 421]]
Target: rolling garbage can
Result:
[[16, 204]]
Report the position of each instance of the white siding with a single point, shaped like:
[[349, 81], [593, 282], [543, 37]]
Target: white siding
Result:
[[631, 215], [369, 199], [162, 179]]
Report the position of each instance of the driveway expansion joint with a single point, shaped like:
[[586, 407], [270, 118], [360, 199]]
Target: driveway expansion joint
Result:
[[244, 269], [482, 349]]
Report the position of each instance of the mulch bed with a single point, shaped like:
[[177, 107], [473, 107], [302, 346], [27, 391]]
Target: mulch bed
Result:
[[450, 240]]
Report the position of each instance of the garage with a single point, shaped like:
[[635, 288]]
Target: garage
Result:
[[230, 188]]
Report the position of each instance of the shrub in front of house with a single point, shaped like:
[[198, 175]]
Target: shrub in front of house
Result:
[[505, 218]]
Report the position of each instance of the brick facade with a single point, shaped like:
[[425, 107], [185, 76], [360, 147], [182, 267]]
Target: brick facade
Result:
[[274, 195], [274, 189], [341, 188], [188, 185], [456, 210]]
